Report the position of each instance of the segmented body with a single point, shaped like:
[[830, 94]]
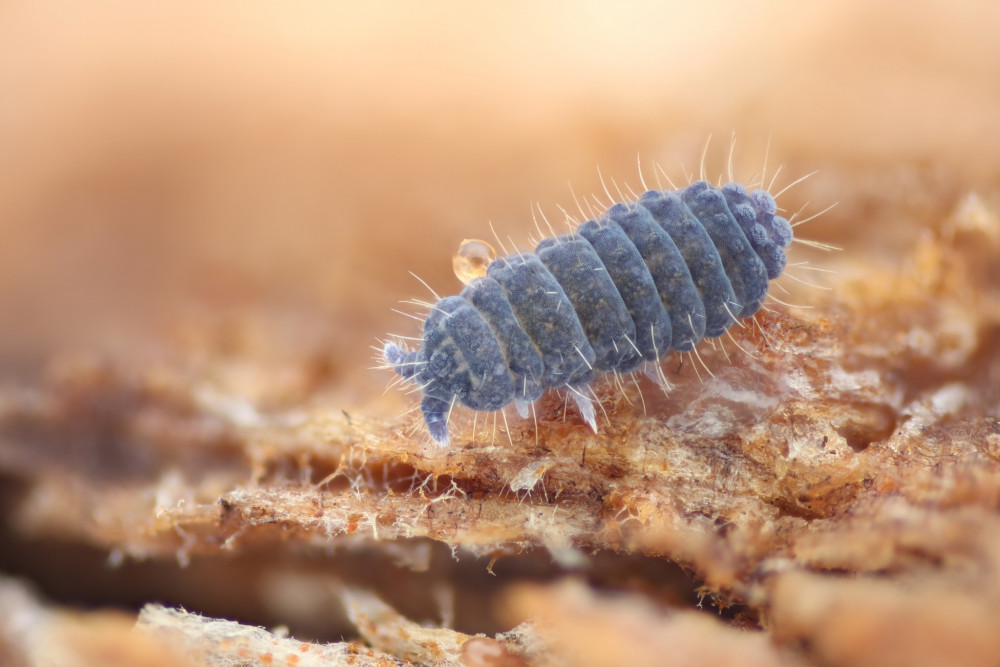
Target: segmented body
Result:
[[647, 277]]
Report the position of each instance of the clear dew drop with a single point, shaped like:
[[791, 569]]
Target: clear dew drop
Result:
[[471, 259]]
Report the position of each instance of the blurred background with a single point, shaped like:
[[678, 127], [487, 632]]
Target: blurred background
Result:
[[245, 188]]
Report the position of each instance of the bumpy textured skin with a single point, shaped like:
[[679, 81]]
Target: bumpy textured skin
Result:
[[647, 277], [743, 266], [769, 234], [669, 271], [700, 255], [599, 306], [547, 316], [524, 361], [635, 285]]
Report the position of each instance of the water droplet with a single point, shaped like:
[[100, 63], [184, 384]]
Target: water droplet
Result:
[[471, 259]]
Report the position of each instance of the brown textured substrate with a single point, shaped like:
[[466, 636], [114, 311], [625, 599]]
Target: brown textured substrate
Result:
[[188, 420]]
